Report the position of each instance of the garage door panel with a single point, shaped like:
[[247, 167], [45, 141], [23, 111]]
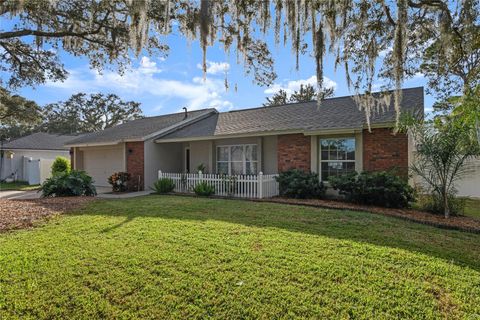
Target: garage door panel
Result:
[[101, 163]]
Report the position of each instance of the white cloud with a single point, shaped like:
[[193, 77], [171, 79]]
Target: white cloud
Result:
[[144, 80], [215, 67], [294, 85], [148, 66]]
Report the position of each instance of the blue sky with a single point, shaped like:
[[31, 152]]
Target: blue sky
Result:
[[165, 85]]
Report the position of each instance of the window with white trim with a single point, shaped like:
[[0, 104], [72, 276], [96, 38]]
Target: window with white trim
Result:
[[337, 156], [237, 159]]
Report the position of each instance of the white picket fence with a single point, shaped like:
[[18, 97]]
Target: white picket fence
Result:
[[239, 186]]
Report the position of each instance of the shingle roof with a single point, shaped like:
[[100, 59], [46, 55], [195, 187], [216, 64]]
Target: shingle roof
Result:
[[334, 113], [137, 129], [40, 141]]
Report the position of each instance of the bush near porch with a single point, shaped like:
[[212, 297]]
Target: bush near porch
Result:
[[295, 183], [186, 257], [381, 188]]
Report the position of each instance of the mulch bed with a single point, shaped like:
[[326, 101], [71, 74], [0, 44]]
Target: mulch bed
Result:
[[20, 214], [454, 222]]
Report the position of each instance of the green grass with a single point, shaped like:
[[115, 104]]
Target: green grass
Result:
[[18, 185], [184, 257], [472, 207]]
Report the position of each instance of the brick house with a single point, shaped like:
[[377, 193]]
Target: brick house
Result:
[[331, 139]]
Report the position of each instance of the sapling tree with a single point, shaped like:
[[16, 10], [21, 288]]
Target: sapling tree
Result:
[[443, 146]]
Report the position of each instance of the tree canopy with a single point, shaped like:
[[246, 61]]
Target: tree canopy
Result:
[[81, 113], [306, 93], [88, 113], [416, 35], [17, 114]]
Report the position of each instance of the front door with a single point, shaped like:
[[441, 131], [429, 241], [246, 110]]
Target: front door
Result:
[[187, 160]]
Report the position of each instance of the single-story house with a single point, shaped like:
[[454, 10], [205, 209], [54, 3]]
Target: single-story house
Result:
[[30, 158], [330, 139]]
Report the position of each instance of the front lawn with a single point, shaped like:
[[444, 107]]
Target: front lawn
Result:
[[472, 207], [184, 257], [18, 185]]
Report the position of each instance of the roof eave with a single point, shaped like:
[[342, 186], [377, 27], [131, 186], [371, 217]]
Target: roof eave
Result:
[[94, 144], [326, 131], [31, 149], [261, 133], [180, 124], [147, 137]]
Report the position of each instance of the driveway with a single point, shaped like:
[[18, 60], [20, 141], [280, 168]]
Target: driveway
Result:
[[103, 192], [19, 195]]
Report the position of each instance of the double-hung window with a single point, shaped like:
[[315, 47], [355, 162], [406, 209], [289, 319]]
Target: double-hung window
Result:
[[237, 159], [337, 156]]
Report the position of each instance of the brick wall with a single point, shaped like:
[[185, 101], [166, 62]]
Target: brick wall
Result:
[[382, 150], [135, 165], [293, 151]]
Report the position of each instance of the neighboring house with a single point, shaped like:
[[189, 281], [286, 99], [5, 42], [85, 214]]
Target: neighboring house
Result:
[[30, 158], [469, 185], [331, 139]]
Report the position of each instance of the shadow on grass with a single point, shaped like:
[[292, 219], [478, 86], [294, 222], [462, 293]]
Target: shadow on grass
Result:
[[453, 246]]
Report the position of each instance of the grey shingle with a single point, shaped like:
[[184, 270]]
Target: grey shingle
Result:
[[334, 113], [40, 141], [137, 129]]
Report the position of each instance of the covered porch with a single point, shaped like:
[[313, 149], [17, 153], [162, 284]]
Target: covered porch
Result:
[[239, 167], [227, 157]]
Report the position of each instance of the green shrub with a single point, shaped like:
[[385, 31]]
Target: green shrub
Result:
[[202, 167], [374, 188], [119, 181], [295, 183], [60, 165], [73, 183], [204, 189], [164, 185], [435, 204]]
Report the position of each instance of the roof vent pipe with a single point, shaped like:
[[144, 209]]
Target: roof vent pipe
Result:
[[186, 113]]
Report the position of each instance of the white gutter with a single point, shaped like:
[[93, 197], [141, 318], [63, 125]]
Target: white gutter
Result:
[[273, 133], [228, 136], [94, 144]]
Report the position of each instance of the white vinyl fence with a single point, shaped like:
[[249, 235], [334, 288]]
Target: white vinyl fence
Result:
[[240, 186]]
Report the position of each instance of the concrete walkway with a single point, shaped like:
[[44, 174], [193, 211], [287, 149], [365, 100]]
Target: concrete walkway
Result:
[[33, 194], [123, 195], [20, 195]]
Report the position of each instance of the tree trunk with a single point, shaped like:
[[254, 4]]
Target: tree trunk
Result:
[[446, 208]]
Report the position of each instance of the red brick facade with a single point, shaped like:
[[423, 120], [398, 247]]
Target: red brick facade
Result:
[[135, 165], [293, 151], [382, 150]]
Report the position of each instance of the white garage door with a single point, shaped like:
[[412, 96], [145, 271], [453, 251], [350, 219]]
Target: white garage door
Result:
[[101, 162]]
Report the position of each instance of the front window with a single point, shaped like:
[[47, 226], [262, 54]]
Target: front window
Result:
[[237, 159], [337, 157]]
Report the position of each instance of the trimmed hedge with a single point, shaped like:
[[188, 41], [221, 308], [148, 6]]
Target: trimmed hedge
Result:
[[380, 188], [298, 184], [60, 165]]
